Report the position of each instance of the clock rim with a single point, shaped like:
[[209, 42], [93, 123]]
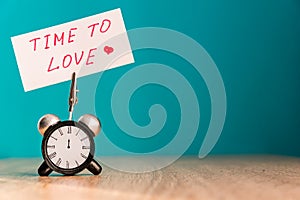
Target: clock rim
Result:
[[53, 128]]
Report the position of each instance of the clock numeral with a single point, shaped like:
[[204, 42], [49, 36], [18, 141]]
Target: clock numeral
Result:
[[78, 132], [69, 130], [85, 147], [53, 137], [60, 131], [83, 138], [67, 165], [52, 155], [58, 162], [51, 146], [82, 155], [77, 163]]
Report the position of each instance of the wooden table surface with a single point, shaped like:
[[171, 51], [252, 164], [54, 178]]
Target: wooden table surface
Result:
[[216, 177]]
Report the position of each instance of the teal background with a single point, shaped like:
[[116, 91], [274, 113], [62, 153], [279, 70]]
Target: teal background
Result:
[[255, 44]]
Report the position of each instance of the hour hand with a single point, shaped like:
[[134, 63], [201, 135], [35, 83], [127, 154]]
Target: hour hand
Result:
[[68, 144]]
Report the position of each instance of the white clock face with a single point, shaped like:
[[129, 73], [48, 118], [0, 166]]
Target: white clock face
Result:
[[68, 147]]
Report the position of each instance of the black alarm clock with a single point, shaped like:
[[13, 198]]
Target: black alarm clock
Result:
[[68, 146]]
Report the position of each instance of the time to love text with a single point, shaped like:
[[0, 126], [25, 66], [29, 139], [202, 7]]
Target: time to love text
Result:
[[53, 40]]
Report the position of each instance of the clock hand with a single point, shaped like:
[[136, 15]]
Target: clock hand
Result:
[[68, 144]]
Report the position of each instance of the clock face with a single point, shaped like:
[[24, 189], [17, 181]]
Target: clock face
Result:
[[68, 146]]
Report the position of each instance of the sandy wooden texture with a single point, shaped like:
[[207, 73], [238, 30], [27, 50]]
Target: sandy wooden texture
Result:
[[221, 177]]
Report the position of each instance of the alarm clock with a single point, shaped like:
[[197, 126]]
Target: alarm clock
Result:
[[68, 146]]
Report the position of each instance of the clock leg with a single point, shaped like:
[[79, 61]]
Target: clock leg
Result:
[[94, 167], [44, 169]]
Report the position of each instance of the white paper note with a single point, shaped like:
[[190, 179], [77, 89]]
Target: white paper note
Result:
[[85, 46]]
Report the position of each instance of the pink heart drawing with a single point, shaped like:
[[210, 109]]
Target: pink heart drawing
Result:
[[108, 49]]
